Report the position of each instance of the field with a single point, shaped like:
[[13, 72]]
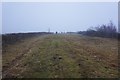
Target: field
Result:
[[61, 56]]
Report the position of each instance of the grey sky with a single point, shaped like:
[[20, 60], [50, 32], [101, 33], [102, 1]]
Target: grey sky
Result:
[[32, 17]]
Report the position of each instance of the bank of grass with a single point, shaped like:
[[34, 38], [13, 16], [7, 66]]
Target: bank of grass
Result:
[[64, 56]]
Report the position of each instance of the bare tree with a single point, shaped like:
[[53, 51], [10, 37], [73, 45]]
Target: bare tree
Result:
[[103, 30]]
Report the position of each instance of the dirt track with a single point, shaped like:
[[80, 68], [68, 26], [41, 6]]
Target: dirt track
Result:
[[61, 56]]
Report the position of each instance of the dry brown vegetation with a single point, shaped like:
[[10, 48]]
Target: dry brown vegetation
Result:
[[61, 56]]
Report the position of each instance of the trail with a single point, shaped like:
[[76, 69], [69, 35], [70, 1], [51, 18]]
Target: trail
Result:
[[63, 56], [6, 69]]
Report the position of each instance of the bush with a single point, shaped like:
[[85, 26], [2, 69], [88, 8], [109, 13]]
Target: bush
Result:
[[109, 31]]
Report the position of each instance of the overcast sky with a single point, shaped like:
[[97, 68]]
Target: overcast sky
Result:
[[37, 16]]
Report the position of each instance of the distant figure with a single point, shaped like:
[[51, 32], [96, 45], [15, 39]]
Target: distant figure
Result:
[[56, 32]]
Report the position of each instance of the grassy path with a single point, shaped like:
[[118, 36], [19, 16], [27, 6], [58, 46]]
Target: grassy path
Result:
[[61, 56]]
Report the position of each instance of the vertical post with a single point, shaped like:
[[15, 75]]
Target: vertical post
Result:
[[48, 29]]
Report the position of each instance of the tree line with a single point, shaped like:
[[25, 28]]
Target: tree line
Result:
[[108, 31]]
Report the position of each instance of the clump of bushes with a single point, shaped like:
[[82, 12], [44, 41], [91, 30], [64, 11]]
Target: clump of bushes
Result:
[[108, 31]]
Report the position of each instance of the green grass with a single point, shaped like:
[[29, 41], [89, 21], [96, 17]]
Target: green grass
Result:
[[62, 56]]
